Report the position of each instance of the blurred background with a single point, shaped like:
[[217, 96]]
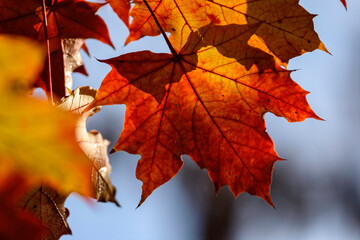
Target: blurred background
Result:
[[316, 191]]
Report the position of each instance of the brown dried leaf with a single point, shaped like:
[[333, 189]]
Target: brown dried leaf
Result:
[[72, 58], [46, 204], [16, 225], [92, 143]]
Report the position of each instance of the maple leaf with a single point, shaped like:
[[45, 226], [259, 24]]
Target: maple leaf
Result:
[[122, 9], [48, 206], [92, 143], [18, 18], [75, 19], [37, 140], [177, 17], [46, 203], [287, 30], [65, 19], [207, 101], [18, 72], [15, 225]]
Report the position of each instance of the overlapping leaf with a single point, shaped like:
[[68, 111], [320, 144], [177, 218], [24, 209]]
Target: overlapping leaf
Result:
[[19, 72], [18, 18], [37, 140], [122, 9], [92, 143], [208, 102], [72, 59], [48, 206], [206, 99], [16, 225], [177, 17], [287, 30], [38, 144], [64, 52], [66, 19]]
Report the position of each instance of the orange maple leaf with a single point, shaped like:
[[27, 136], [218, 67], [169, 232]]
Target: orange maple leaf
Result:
[[122, 9], [177, 17], [287, 30], [207, 101]]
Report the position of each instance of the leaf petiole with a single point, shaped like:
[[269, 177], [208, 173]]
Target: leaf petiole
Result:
[[51, 97]]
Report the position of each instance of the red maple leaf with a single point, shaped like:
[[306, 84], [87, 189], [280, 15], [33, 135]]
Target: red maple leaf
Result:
[[65, 18], [121, 8], [207, 101]]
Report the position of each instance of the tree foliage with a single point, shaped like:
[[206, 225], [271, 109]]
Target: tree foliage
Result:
[[207, 98]]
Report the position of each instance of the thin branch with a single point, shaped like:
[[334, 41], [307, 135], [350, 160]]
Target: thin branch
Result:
[[48, 51]]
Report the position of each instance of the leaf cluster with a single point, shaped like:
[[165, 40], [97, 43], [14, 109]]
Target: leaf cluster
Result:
[[207, 98]]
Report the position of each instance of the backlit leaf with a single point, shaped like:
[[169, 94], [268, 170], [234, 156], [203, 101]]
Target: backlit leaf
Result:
[[208, 102], [37, 140], [176, 17], [66, 19], [19, 71], [286, 31], [121, 8]]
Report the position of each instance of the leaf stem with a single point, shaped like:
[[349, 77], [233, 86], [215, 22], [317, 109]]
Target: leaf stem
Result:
[[175, 54], [48, 51]]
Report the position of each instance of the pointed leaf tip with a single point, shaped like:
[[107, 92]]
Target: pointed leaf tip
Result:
[[344, 3]]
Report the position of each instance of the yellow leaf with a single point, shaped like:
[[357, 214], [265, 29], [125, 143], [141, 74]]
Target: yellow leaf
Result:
[[36, 139], [20, 61], [39, 140]]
